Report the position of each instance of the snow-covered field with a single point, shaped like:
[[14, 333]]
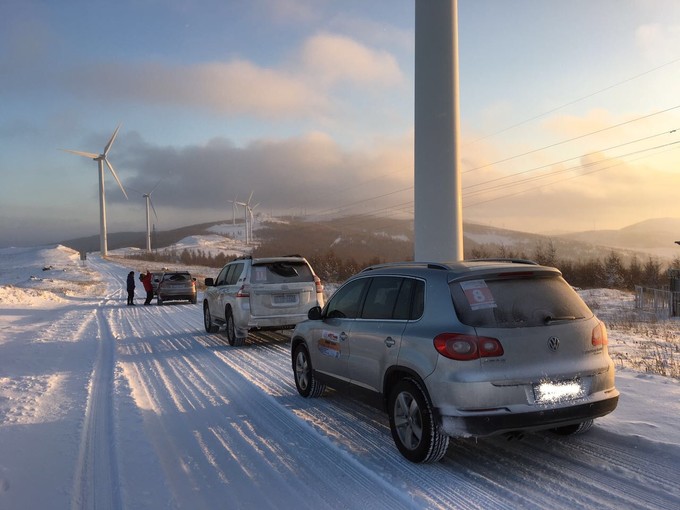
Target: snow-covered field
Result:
[[108, 406]]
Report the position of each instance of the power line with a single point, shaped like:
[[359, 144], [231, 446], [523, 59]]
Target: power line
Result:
[[565, 179], [568, 159], [573, 139], [575, 101]]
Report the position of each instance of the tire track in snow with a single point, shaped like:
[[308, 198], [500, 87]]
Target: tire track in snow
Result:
[[216, 433], [96, 478]]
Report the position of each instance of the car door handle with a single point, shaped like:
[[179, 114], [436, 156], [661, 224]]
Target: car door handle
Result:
[[389, 341], [343, 336]]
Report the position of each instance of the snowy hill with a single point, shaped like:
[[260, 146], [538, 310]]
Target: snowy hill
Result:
[[366, 238]]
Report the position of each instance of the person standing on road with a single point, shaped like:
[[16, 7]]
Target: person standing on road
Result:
[[148, 286], [131, 288]]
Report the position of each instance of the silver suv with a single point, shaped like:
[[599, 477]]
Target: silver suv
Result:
[[473, 348], [260, 293]]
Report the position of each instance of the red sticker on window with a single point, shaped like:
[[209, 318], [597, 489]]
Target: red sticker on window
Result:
[[478, 294]]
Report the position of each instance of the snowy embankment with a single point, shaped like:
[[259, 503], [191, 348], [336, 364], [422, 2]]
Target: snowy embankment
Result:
[[137, 407]]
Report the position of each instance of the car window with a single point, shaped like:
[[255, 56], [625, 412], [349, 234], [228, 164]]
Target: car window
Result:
[[281, 272], [346, 302], [234, 273], [177, 277], [222, 277], [410, 302], [381, 297], [516, 302]]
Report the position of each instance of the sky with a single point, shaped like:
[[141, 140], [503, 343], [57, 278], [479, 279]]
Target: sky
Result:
[[568, 111], [108, 406]]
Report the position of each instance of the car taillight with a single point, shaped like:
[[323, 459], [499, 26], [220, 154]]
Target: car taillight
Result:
[[467, 347], [243, 292], [319, 286], [599, 336]]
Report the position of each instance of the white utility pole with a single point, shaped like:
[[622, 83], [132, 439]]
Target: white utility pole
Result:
[[438, 224]]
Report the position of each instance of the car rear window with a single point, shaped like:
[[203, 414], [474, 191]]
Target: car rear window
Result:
[[177, 277], [514, 302], [281, 272]]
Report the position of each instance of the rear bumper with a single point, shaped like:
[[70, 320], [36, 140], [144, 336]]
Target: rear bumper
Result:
[[175, 296], [273, 322], [492, 424]]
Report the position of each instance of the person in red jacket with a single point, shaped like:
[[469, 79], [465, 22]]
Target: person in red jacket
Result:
[[148, 286]]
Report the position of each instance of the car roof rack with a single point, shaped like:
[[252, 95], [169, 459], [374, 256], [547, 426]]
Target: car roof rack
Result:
[[509, 260], [428, 265]]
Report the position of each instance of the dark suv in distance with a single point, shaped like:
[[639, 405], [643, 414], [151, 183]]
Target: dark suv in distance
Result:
[[176, 286], [472, 348]]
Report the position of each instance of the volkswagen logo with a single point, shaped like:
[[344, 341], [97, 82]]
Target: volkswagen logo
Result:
[[553, 343]]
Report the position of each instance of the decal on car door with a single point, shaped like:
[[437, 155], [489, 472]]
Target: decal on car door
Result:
[[329, 344]]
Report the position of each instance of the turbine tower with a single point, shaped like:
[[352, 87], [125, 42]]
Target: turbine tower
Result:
[[149, 208], [245, 218], [101, 159], [248, 216], [234, 207], [147, 197]]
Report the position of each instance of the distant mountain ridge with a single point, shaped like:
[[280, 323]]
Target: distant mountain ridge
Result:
[[388, 239], [654, 236]]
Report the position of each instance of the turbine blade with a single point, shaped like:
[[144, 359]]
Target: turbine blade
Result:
[[113, 137], [90, 155], [116, 177], [153, 208], [250, 197], [154, 188]]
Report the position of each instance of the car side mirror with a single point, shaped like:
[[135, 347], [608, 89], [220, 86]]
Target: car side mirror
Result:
[[314, 313], [209, 282]]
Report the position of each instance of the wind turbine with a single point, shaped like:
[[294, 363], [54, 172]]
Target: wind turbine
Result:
[[245, 211], [147, 197], [101, 159], [149, 208], [250, 216], [234, 207]]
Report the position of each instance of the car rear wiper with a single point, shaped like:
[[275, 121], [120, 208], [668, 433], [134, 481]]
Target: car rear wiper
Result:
[[550, 319]]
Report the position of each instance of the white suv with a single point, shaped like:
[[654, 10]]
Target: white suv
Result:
[[260, 293]]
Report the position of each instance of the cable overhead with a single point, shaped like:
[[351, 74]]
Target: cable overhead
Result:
[[569, 159], [574, 102], [572, 139], [570, 178]]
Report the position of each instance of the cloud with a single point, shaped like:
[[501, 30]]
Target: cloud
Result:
[[335, 59], [658, 42], [237, 87], [240, 87], [307, 172]]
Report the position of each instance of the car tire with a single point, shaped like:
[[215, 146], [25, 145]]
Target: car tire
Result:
[[307, 385], [159, 301], [412, 422], [210, 327], [576, 428], [234, 341]]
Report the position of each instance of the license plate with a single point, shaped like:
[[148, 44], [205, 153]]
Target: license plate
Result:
[[285, 299], [549, 392]]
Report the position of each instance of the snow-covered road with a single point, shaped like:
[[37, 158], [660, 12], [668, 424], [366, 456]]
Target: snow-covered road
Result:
[[169, 416]]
